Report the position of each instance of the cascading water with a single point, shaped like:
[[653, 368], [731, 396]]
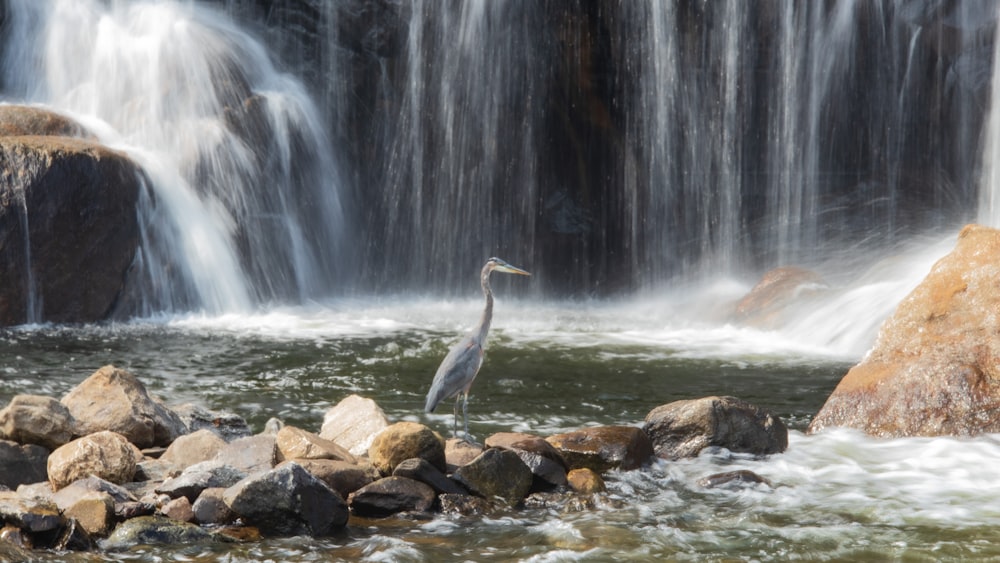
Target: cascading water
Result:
[[243, 205]]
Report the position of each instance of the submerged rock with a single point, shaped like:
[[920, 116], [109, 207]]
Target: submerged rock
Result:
[[496, 473], [34, 419], [353, 423], [405, 440], [114, 399], [730, 479], [107, 455], [935, 366], [391, 495], [684, 428], [603, 448]]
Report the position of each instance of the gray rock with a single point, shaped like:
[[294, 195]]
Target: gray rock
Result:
[[547, 473], [353, 423], [106, 455], [341, 476], [391, 495], [225, 425], [21, 465], [421, 470], [251, 454], [210, 508], [34, 419], [288, 501], [541, 457], [31, 515], [198, 477], [684, 428], [201, 445], [733, 479], [68, 495], [496, 473], [602, 448], [114, 399], [157, 530]]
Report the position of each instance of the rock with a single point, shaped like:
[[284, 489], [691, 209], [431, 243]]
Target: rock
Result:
[[353, 423], [154, 470], [13, 536], [201, 445], [586, 481], [935, 367], [22, 464], [17, 121], [732, 479], [30, 515], [114, 399], [106, 455], [251, 454], [156, 530], [295, 443], [544, 461], [76, 202], [341, 476], [178, 509], [766, 305], [74, 537], [496, 473], [684, 428], [603, 448], [464, 505], [421, 470], [34, 419], [70, 494], [405, 440], [210, 508], [94, 511], [288, 501], [225, 425], [547, 473], [198, 477], [391, 495], [561, 502], [129, 510], [41, 490], [458, 452]]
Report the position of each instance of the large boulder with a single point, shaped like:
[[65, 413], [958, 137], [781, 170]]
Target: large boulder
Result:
[[114, 399], [405, 440], [353, 423], [34, 419], [684, 428], [106, 455], [69, 229], [935, 367]]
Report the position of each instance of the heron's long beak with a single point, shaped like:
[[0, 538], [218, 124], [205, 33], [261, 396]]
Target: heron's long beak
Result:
[[508, 269]]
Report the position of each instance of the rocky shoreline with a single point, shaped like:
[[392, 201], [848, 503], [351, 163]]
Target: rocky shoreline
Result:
[[108, 467]]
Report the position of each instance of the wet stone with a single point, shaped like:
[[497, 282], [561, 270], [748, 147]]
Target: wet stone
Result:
[[586, 481], [391, 495], [496, 473], [733, 479], [156, 530], [604, 448], [684, 428], [465, 505], [421, 470]]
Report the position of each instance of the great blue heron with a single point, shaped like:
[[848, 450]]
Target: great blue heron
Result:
[[458, 370]]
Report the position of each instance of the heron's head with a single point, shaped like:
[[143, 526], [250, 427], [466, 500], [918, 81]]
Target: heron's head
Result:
[[498, 265]]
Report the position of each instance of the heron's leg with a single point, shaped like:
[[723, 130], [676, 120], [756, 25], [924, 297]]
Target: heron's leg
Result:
[[465, 415], [454, 427]]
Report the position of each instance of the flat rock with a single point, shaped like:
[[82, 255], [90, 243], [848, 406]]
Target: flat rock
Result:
[[22, 464], [391, 495], [295, 443], [405, 440], [684, 428], [34, 419], [603, 448], [496, 473], [287, 501], [201, 445], [70, 494], [198, 477], [114, 399], [156, 530], [30, 515], [353, 423], [106, 455], [935, 366], [211, 508], [341, 476], [225, 425], [251, 454], [421, 470]]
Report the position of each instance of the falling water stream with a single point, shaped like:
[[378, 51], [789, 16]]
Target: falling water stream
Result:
[[273, 285]]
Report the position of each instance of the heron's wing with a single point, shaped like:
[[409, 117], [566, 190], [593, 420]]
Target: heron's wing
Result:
[[456, 371]]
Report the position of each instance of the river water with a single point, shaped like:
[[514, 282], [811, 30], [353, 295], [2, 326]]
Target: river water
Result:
[[552, 367]]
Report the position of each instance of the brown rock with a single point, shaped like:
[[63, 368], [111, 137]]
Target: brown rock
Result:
[[684, 428], [106, 455], [295, 443], [34, 419], [391, 495], [178, 509], [341, 476], [95, 511], [766, 304], [193, 448], [114, 399], [544, 460], [353, 423], [404, 440], [83, 233], [603, 448], [465, 505], [935, 366], [16, 121], [458, 452], [585, 481]]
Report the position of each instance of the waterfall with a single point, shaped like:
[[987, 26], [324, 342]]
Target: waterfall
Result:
[[242, 206]]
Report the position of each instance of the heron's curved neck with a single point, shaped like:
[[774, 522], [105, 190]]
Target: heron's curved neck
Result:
[[484, 323]]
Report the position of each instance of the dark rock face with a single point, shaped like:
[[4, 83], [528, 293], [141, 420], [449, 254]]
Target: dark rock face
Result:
[[68, 228], [422, 470], [21, 465], [391, 495], [603, 448], [496, 473], [684, 428], [288, 500]]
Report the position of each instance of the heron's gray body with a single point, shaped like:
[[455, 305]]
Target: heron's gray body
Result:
[[459, 368]]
